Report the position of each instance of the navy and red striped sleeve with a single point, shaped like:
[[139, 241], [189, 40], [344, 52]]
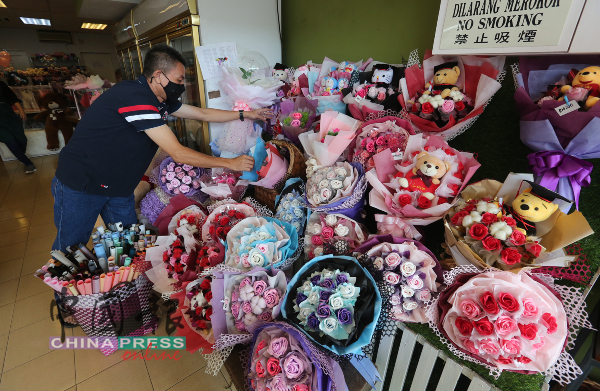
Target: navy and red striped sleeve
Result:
[[142, 116]]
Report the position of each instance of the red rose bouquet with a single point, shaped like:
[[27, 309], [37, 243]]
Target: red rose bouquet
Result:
[[493, 234], [223, 218], [193, 316], [180, 261], [483, 232], [447, 94]]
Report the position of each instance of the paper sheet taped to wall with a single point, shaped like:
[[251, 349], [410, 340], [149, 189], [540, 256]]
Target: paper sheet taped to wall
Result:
[[212, 57]]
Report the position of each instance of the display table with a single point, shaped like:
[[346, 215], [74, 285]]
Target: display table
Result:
[[237, 372]]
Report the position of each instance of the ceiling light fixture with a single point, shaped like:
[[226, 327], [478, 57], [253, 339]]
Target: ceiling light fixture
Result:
[[39, 22], [2, 5], [93, 26]]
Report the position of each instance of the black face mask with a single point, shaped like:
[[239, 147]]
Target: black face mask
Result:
[[172, 90]]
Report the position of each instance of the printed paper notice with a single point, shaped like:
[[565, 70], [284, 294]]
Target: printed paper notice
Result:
[[212, 57], [482, 24]]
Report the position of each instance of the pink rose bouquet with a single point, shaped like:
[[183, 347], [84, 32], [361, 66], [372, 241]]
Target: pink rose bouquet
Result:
[[283, 359], [332, 234], [507, 321]]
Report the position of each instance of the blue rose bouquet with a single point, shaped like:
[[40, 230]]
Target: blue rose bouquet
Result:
[[289, 205], [260, 242], [325, 302]]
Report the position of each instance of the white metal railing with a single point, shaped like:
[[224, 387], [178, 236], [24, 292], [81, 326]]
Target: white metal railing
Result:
[[427, 360]]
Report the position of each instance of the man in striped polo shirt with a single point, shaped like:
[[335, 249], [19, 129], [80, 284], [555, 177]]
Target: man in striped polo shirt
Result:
[[115, 141]]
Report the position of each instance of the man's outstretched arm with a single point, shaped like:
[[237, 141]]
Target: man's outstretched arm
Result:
[[164, 137]]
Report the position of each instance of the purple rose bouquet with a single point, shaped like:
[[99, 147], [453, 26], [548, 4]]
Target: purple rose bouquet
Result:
[[279, 363], [175, 178], [408, 269]]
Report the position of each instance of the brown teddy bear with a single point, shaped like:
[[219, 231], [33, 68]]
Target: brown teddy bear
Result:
[[445, 77], [55, 116], [425, 176], [585, 86]]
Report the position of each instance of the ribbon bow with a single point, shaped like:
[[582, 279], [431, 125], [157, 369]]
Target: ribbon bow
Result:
[[554, 165], [425, 178]]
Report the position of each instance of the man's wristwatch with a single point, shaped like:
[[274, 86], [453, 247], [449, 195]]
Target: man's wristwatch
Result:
[[241, 115]]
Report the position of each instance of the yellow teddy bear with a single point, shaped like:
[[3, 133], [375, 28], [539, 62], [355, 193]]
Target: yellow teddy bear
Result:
[[445, 77], [585, 83]]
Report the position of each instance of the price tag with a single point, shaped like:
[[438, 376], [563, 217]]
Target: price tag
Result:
[[397, 155], [567, 108], [358, 98]]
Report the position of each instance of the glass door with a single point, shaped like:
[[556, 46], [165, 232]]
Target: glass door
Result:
[[188, 131], [143, 50], [127, 64], [135, 61]]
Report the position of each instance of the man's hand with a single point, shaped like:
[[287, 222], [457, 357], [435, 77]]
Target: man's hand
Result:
[[259, 114], [241, 163], [23, 115]]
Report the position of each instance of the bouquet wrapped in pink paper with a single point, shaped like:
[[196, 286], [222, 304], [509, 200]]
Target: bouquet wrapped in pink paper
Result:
[[377, 135], [336, 132], [222, 183], [327, 85], [332, 234], [296, 116], [422, 187], [409, 271], [507, 321], [448, 93]]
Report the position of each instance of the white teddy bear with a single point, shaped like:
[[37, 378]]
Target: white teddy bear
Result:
[[500, 230], [470, 219], [198, 301], [456, 95]]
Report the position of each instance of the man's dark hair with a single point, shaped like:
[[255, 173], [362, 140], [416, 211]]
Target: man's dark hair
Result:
[[161, 57]]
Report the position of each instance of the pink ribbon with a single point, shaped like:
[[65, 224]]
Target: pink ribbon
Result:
[[554, 165], [241, 106], [396, 226]]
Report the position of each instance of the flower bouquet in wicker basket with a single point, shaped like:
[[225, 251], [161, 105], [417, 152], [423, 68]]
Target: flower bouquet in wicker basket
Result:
[[296, 168]]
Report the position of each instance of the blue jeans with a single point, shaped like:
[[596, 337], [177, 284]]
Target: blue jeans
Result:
[[75, 213]]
